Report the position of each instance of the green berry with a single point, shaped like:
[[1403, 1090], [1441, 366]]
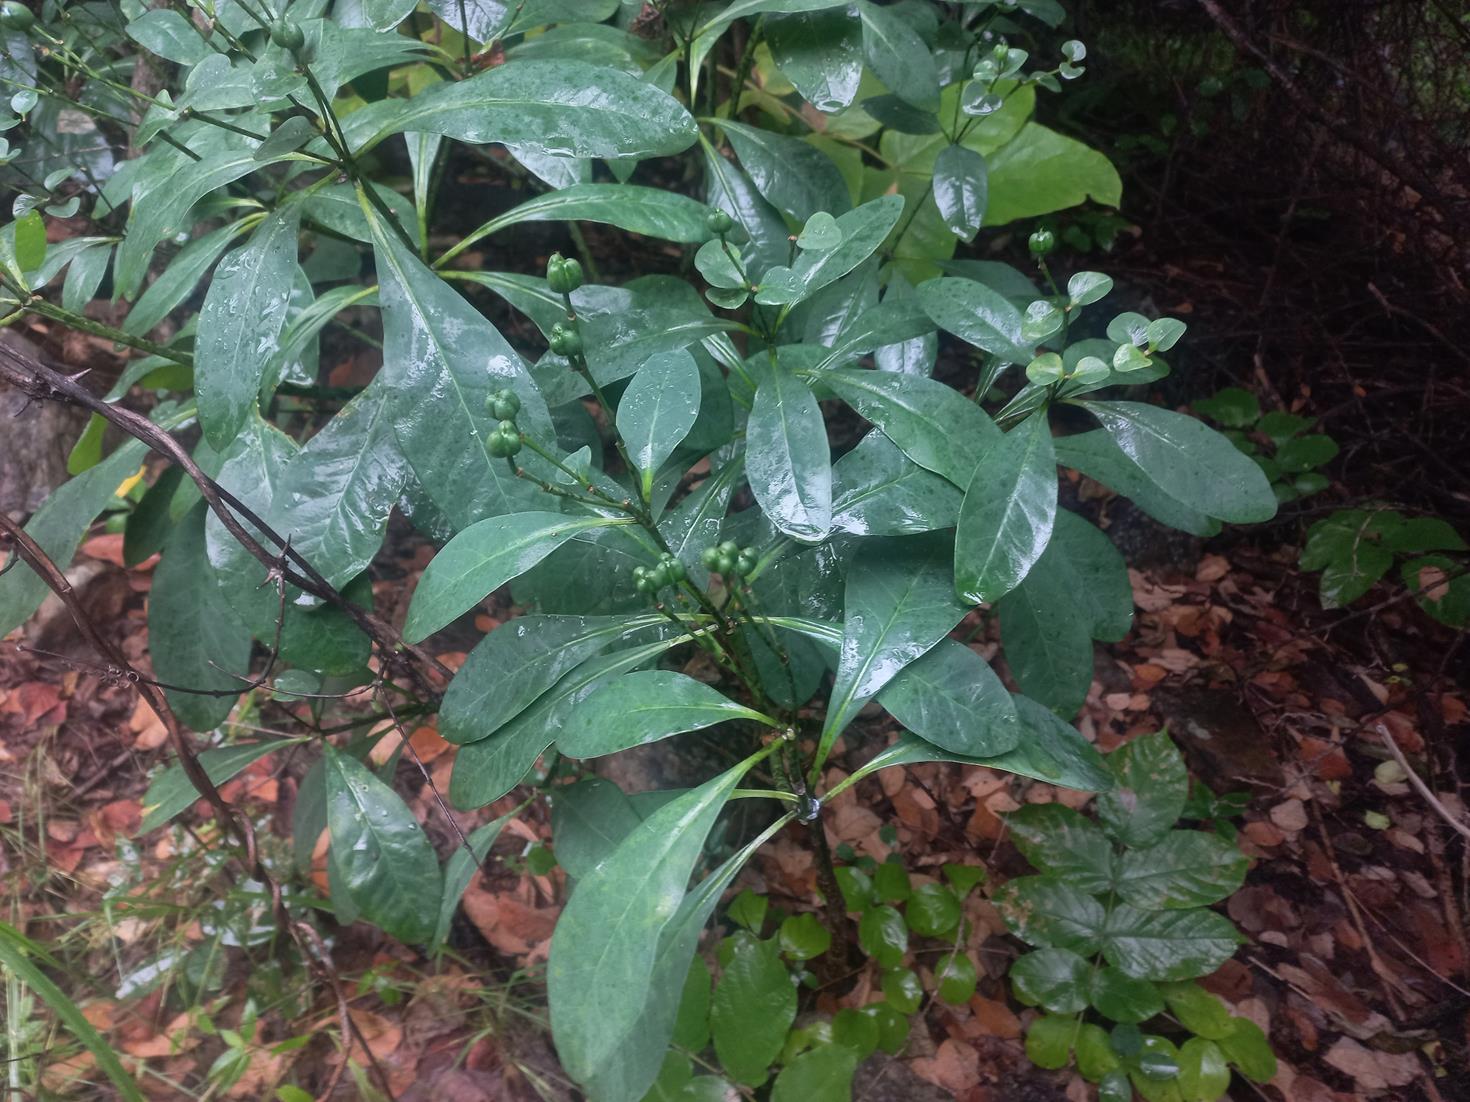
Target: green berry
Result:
[[1041, 243], [675, 571], [710, 557], [719, 222], [725, 564], [646, 585], [745, 562], [503, 405], [288, 36], [565, 341], [730, 548], [563, 275], [499, 445]]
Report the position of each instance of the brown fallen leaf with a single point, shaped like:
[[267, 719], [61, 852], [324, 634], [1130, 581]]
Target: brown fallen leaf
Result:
[[1370, 1069]]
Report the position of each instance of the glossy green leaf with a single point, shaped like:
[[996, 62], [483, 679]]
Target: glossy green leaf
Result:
[[932, 911], [883, 935], [898, 56], [729, 189], [652, 314], [441, 361], [644, 707], [795, 177], [1152, 786], [177, 280], [658, 409], [902, 989], [1098, 457], [754, 1005], [171, 792], [1049, 1041], [1199, 1011], [977, 315], [1203, 1074], [482, 558], [566, 108], [488, 768], [953, 699], [691, 1027], [1115, 1087], [933, 424], [517, 662], [650, 211], [891, 883], [899, 604], [788, 462], [1439, 587], [460, 869], [1168, 945], [1046, 912], [337, 491], [1248, 1048], [193, 639], [1189, 461], [1063, 843], [240, 324], [1008, 513], [1122, 998], [1052, 978], [820, 53], [823, 1074], [169, 35], [961, 186], [879, 491], [802, 937], [1095, 1056], [387, 865], [860, 232], [955, 973], [605, 948], [1186, 868], [83, 276], [589, 819]]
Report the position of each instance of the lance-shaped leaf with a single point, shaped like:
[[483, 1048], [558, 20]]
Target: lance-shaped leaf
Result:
[[441, 361], [899, 57], [795, 177], [1007, 516], [961, 188], [517, 662], [589, 819], [978, 315], [1189, 461], [630, 1069], [935, 425], [821, 53], [178, 280], [1185, 868], [240, 324], [862, 232], [952, 698], [1167, 945], [1095, 455], [336, 492], [658, 409], [879, 491], [564, 108], [1050, 750], [652, 314], [787, 459], [172, 792], [387, 865], [729, 189], [193, 638], [651, 211], [644, 707], [900, 602], [605, 948], [482, 558], [487, 769]]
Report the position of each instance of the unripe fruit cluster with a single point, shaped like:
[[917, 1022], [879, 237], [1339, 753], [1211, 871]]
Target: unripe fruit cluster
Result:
[[719, 222], [565, 341], [1041, 243], [288, 36], [505, 440], [503, 405], [729, 559], [669, 571], [563, 275]]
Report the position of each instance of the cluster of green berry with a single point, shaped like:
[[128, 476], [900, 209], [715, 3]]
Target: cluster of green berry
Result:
[[719, 223], [505, 440], [729, 559], [669, 571]]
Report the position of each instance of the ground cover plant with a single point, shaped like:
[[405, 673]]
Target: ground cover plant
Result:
[[741, 464]]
